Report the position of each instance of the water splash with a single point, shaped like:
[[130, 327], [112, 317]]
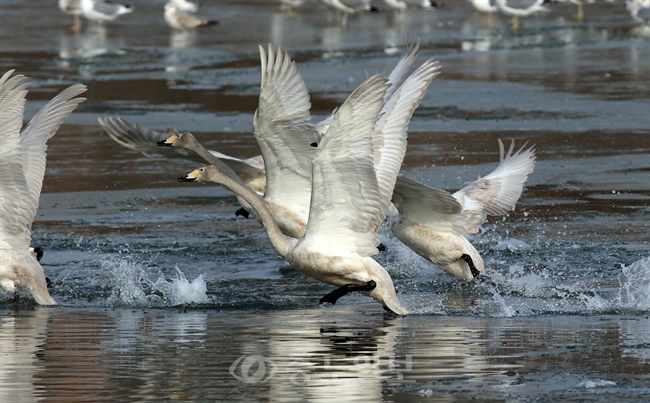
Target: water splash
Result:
[[133, 286], [635, 286]]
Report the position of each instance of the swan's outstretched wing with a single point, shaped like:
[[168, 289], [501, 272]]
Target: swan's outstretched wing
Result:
[[33, 139], [395, 79], [401, 70], [142, 139], [433, 208], [345, 207], [389, 137], [497, 193], [14, 195], [283, 131]]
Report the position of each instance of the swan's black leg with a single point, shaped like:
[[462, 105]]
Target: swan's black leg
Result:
[[381, 247], [39, 253], [333, 296], [241, 212], [470, 262], [48, 282]]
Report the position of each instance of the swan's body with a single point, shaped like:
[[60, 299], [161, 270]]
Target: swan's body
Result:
[[183, 20], [22, 166], [98, 10], [72, 7], [434, 223]]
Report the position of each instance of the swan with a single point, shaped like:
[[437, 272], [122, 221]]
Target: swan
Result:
[[349, 196], [22, 166], [183, 20], [433, 222], [99, 10], [520, 8]]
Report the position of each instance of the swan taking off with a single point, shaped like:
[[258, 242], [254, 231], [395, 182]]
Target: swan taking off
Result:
[[22, 166], [346, 206], [433, 222]]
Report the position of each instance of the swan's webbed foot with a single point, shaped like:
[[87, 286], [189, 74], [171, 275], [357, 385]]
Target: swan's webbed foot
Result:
[[333, 296], [48, 282], [242, 212], [470, 263], [381, 247], [38, 251]]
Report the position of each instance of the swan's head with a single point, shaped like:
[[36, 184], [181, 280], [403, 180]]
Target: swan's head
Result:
[[179, 140], [461, 268], [207, 173]]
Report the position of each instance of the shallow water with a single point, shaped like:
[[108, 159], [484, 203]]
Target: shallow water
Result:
[[165, 295]]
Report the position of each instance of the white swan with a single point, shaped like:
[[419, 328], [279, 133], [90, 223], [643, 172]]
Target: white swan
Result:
[[349, 197], [22, 166], [99, 10], [433, 223]]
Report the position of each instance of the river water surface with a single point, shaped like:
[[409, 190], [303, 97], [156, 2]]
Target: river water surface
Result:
[[165, 295]]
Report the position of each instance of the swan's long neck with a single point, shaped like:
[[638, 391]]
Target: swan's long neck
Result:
[[280, 242]]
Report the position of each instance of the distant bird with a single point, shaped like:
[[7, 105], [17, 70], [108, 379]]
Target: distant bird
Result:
[[183, 20], [72, 7], [433, 223], [402, 5], [639, 10], [22, 166], [484, 6], [520, 8], [347, 7], [188, 6], [98, 10]]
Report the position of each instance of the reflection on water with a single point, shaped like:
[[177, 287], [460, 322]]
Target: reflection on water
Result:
[[337, 354], [92, 42]]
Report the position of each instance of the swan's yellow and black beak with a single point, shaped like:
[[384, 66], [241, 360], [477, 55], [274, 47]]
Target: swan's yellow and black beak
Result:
[[168, 142], [190, 177]]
